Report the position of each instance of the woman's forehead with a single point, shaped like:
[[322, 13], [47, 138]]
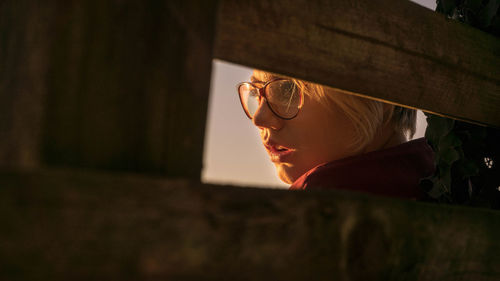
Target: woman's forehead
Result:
[[263, 76]]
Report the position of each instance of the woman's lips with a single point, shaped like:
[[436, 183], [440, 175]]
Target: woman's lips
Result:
[[278, 153]]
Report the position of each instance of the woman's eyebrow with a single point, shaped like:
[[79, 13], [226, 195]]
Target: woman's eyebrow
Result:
[[254, 79], [268, 77]]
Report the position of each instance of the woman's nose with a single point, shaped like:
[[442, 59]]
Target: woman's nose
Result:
[[265, 118]]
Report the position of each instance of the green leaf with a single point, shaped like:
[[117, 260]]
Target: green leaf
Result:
[[449, 141], [449, 155], [468, 168], [437, 127]]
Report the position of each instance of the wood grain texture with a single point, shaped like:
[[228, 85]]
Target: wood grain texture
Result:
[[116, 85], [391, 50], [23, 71], [75, 225]]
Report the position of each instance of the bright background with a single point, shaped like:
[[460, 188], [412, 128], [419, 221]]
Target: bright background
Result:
[[233, 152]]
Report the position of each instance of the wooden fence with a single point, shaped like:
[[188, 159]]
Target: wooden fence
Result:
[[102, 118]]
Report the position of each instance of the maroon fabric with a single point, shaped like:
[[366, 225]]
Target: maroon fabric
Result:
[[393, 172]]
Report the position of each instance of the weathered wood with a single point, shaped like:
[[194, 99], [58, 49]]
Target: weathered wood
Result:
[[23, 72], [118, 85], [72, 225], [391, 50]]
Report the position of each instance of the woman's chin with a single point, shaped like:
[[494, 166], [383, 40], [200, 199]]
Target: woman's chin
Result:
[[287, 173]]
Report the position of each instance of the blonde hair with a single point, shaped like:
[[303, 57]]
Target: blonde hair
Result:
[[368, 116]]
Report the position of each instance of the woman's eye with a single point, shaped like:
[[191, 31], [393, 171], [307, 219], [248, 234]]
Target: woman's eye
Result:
[[254, 94]]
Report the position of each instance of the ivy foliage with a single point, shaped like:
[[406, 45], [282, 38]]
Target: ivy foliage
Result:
[[467, 156], [467, 170], [482, 14]]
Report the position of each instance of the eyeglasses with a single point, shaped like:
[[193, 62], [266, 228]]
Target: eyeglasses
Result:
[[283, 97]]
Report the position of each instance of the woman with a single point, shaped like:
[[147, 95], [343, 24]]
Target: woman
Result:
[[318, 137]]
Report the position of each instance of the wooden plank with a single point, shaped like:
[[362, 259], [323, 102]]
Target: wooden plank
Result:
[[23, 69], [74, 225], [391, 50], [119, 85]]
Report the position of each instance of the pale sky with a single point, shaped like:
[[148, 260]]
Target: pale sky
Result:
[[233, 152]]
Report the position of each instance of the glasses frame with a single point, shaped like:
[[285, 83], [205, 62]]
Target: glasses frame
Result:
[[262, 93]]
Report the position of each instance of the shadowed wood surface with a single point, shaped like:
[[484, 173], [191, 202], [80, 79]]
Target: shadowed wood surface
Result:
[[115, 85], [23, 72], [392, 50], [75, 225], [123, 85]]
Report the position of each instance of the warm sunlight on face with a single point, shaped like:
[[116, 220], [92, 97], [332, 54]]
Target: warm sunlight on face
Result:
[[316, 135]]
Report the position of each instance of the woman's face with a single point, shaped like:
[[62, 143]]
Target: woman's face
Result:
[[315, 136]]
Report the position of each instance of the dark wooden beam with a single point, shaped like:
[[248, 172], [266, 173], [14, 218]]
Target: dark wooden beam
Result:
[[114, 85], [23, 73], [73, 225], [391, 50]]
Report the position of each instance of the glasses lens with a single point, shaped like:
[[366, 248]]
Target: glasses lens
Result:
[[284, 98], [250, 98]]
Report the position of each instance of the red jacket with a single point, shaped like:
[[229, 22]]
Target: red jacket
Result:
[[393, 172]]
